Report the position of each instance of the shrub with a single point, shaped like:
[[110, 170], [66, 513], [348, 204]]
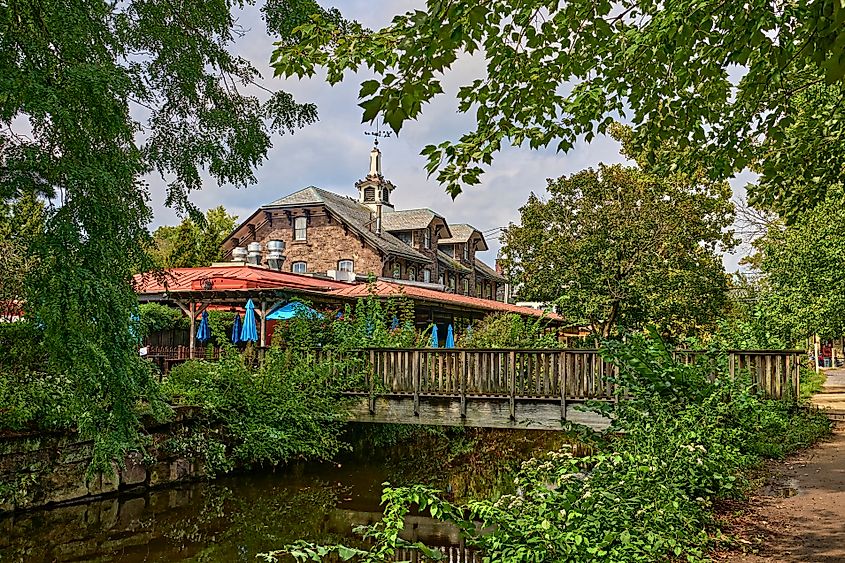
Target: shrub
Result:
[[508, 330], [283, 410]]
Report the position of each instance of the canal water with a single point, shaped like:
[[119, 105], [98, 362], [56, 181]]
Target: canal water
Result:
[[237, 517]]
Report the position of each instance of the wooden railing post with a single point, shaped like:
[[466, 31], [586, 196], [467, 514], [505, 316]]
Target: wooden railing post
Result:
[[463, 383], [511, 373], [415, 366], [560, 358], [372, 373]]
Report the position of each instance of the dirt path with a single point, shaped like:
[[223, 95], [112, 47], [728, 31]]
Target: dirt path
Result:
[[799, 517]]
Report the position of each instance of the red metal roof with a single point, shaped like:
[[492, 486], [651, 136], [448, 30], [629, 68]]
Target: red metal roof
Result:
[[388, 289], [228, 277]]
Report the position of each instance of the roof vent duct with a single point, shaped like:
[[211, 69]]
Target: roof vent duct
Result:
[[275, 254], [239, 254], [254, 253]]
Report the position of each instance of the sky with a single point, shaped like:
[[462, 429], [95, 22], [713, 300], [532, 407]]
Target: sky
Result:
[[333, 153]]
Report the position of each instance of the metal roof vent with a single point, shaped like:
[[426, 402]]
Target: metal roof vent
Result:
[[254, 253], [275, 254], [239, 254]]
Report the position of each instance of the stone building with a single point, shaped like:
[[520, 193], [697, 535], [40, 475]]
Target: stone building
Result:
[[322, 233]]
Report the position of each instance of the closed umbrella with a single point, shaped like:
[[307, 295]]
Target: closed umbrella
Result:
[[249, 331], [434, 339], [450, 338], [204, 332], [236, 329]]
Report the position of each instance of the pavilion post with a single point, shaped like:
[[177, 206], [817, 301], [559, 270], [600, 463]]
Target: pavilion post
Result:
[[193, 331], [263, 316]]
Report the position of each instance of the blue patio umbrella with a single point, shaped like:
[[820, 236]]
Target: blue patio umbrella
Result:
[[204, 331], [236, 329], [450, 338], [434, 339], [248, 330], [291, 310]]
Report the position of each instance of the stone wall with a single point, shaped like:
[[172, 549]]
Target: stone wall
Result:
[[46, 469], [327, 242]]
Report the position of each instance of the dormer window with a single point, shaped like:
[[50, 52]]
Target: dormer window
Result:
[[427, 238], [466, 252]]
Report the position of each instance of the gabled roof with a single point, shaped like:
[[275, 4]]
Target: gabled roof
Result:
[[411, 219], [486, 270], [358, 217], [461, 233], [450, 262], [236, 276], [383, 288]]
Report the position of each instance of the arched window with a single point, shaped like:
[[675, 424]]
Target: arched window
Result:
[[427, 275], [298, 267], [369, 194], [412, 274], [397, 270], [300, 226], [346, 266], [478, 289]]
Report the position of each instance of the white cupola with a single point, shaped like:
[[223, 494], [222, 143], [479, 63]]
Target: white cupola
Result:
[[374, 191]]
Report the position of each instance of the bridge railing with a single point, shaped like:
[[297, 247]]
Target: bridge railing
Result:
[[561, 373]]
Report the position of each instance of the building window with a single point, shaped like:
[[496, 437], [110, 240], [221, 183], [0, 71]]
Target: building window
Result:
[[397, 271], [385, 195], [369, 194], [478, 290], [449, 250], [300, 225], [427, 238], [452, 283], [466, 252], [427, 276], [346, 266], [412, 274], [405, 237], [466, 287], [298, 267], [440, 279]]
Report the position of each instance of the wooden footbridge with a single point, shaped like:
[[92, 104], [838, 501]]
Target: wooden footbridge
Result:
[[531, 389]]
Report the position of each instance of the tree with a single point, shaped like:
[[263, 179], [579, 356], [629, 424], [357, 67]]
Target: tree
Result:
[[94, 95], [618, 248], [803, 267], [21, 224], [192, 244], [710, 75]]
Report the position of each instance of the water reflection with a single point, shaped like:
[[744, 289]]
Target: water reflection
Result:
[[234, 518], [231, 519]]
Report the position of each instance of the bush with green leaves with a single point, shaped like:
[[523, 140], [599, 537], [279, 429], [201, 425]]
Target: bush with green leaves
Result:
[[679, 442], [508, 330], [285, 409]]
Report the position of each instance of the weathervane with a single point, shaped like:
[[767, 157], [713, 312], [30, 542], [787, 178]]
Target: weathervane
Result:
[[378, 133]]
